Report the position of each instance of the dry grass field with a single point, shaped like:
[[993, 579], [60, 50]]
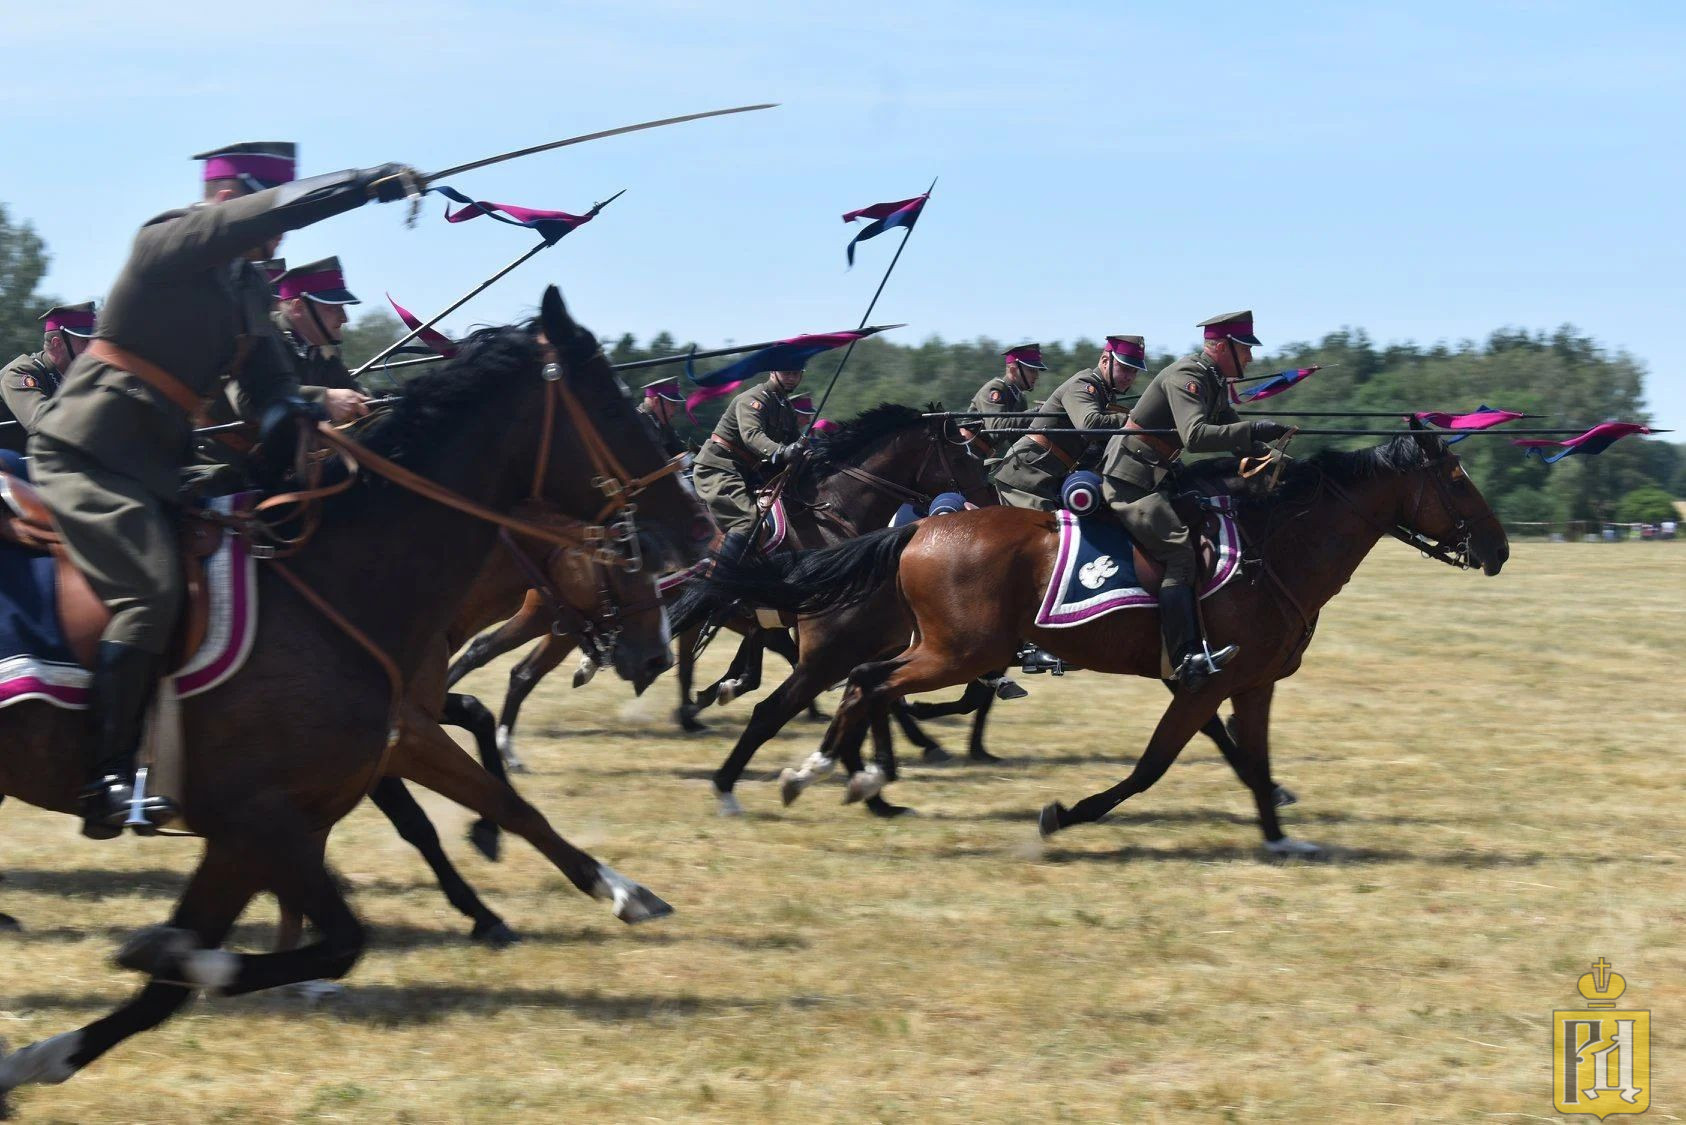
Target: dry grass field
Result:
[[1497, 765]]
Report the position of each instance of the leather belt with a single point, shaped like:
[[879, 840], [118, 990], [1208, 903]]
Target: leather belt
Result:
[[1045, 442], [172, 388], [1164, 450]]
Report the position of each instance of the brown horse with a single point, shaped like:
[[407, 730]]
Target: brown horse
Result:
[[973, 581], [286, 748]]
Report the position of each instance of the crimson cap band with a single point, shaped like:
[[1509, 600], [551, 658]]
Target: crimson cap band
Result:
[[1029, 355], [1237, 326], [257, 164], [804, 404], [321, 280], [667, 389], [1131, 351], [78, 320]]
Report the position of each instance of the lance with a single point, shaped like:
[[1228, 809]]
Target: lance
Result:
[[1321, 432], [543, 244], [907, 233], [1349, 414]]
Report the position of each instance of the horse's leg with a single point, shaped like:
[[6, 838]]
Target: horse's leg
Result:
[[7, 922], [470, 714], [530, 621], [1223, 736], [523, 678], [686, 715], [930, 750], [427, 756], [884, 753], [982, 698], [731, 685], [218, 891], [1252, 730], [400, 807], [1186, 715]]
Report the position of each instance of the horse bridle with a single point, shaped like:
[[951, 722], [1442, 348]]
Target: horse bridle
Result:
[[937, 448], [1453, 550]]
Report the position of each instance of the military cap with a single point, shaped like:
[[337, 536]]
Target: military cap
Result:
[[321, 281], [272, 269], [1237, 326], [1131, 351], [78, 320], [1028, 355], [665, 389], [257, 164]]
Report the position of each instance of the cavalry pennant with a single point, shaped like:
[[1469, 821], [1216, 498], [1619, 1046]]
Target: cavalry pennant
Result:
[[1483, 418], [550, 225], [438, 341], [1589, 444], [901, 213], [785, 355], [1279, 382]]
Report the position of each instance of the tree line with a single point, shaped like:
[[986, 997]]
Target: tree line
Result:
[[1563, 375]]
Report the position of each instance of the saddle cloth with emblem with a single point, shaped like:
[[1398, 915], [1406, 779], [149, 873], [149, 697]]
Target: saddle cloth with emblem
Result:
[[35, 657], [1095, 570]]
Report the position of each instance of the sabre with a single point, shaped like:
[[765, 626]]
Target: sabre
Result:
[[642, 125]]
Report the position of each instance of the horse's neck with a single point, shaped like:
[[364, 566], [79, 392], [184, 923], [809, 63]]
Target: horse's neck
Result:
[[868, 506], [401, 572], [1316, 554]]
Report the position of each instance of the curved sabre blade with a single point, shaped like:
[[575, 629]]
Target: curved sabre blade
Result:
[[498, 159]]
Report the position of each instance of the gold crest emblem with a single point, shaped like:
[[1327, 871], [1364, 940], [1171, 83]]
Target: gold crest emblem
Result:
[[1601, 1058]]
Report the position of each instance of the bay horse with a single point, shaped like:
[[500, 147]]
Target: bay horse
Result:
[[288, 746], [973, 581]]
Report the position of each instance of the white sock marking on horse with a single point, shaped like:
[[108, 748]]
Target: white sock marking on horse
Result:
[[620, 892], [867, 784], [817, 765], [503, 740], [1290, 846], [729, 805], [212, 969], [47, 1062], [587, 670]]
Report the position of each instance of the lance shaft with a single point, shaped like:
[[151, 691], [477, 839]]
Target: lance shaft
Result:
[[1319, 433]]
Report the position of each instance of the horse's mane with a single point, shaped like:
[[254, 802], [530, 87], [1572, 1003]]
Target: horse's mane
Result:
[[869, 427], [431, 406], [1399, 454]]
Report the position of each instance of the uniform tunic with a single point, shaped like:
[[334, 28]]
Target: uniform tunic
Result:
[[1031, 474], [25, 385], [313, 365], [1188, 396], [108, 449], [998, 396], [730, 463], [663, 433]]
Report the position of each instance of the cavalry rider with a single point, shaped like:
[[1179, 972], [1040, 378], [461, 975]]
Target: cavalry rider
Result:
[[30, 380], [1006, 394], [187, 310], [1034, 469], [1192, 398], [310, 314], [758, 433], [661, 401]]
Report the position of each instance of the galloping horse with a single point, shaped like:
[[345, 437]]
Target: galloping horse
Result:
[[972, 583], [287, 747]]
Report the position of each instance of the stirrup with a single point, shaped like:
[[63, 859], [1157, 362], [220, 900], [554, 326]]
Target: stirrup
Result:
[[1203, 663], [147, 814], [1033, 661]]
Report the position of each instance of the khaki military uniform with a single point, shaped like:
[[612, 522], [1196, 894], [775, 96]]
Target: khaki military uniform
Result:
[[1188, 396], [109, 449], [665, 436], [998, 396], [1033, 470], [25, 386], [729, 466], [313, 365]]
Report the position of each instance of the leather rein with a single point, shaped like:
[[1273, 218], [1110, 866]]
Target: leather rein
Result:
[[937, 448]]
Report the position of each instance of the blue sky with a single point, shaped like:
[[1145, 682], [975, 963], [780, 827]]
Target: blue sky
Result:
[[1427, 171]]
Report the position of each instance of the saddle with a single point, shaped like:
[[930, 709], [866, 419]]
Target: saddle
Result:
[[27, 522], [1200, 512]]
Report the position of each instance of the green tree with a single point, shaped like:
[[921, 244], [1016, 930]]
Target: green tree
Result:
[[23, 262], [370, 333], [1645, 505]]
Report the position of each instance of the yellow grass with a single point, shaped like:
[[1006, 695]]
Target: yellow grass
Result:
[[1497, 763]]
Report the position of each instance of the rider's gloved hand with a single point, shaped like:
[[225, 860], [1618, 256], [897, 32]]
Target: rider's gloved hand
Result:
[[277, 421], [1265, 430], [391, 182], [785, 454]]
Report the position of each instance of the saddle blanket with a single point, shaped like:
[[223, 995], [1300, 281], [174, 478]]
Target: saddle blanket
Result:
[[35, 659], [1095, 570]]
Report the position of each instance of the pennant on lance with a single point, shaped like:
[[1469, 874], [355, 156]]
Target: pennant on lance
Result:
[[1279, 382], [438, 341], [550, 225], [885, 216], [1589, 444], [1483, 418], [786, 355]]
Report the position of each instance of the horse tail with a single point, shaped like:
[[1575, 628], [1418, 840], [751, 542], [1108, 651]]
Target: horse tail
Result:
[[801, 582]]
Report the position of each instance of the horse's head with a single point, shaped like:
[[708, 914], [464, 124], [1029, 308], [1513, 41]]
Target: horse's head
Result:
[[618, 617], [1447, 507], [909, 452], [599, 444]]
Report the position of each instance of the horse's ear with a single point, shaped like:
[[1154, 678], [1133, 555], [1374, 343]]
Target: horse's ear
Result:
[[1428, 439], [553, 314]]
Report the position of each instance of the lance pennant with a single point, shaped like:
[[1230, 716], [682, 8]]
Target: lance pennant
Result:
[[1589, 444], [886, 216]]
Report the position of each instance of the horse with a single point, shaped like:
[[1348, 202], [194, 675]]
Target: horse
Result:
[[288, 746], [972, 583]]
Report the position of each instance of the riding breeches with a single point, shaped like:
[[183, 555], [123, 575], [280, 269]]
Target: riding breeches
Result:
[[1030, 477], [122, 537], [727, 495], [1147, 515]]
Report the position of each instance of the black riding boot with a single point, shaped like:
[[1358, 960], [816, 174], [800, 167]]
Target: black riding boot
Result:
[[1179, 619], [124, 680], [1033, 661]]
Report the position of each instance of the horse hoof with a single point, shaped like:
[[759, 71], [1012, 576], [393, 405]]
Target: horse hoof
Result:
[[494, 934], [978, 756], [934, 755], [584, 673], [316, 991], [10, 925], [819, 764], [729, 690], [1008, 690], [863, 785], [791, 784], [487, 839], [1284, 796], [815, 715], [1050, 820], [879, 807], [727, 802], [46, 1063], [631, 902], [156, 950], [1290, 848]]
